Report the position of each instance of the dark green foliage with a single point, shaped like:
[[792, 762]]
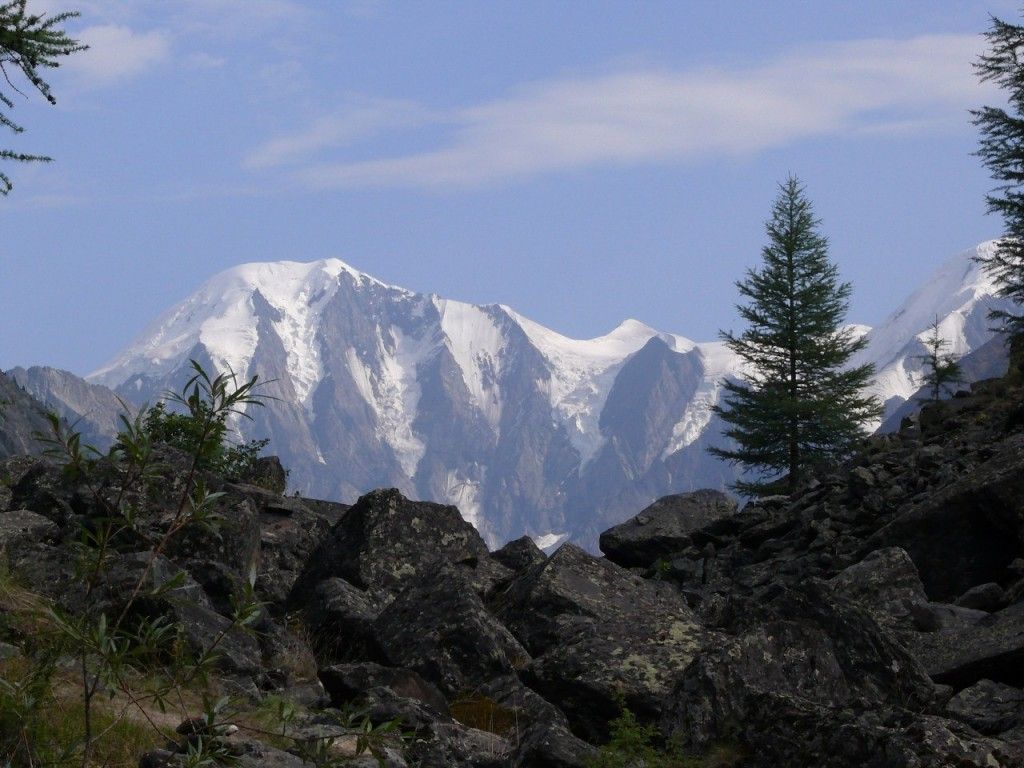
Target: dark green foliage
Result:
[[631, 745], [1001, 149], [28, 43], [942, 371], [119, 649], [183, 431], [800, 404]]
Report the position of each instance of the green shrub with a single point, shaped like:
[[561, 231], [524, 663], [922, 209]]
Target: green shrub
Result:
[[634, 745], [216, 453]]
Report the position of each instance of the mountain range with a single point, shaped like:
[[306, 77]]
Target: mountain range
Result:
[[523, 429]]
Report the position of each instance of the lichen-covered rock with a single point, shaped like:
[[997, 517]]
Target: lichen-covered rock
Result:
[[886, 584], [984, 597], [441, 629], [988, 707], [435, 739], [968, 532], [385, 542], [345, 683], [339, 619], [267, 472], [519, 554], [234, 545], [600, 634], [187, 604], [815, 682], [550, 745], [992, 648], [663, 528], [21, 529]]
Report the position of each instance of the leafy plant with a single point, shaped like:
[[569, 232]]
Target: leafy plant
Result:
[[634, 745], [119, 650], [182, 431]]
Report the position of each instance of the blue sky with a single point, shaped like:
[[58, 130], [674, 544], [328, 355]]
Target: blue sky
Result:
[[583, 162]]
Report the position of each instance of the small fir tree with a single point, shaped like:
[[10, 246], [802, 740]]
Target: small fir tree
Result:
[[29, 43], [942, 370], [800, 402]]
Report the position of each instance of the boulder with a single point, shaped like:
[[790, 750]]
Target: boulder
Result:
[[21, 529], [233, 544], [886, 584], [346, 683], [988, 707], [385, 542], [600, 635], [984, 597], [551, 745], [814, 680], [441, 629], [339, 620], [520, 554], [967, 533], [992, 649], [186, 603], [267, 472], [931, 617], [663, 528], [435, 739]]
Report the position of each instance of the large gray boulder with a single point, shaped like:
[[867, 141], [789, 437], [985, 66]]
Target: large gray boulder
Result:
[[886, 584], [964, 653], [442, 630], [600, 635], [969, 532], [386, 542], [988, 707], [663, 528], [814, 680], [339, 619]]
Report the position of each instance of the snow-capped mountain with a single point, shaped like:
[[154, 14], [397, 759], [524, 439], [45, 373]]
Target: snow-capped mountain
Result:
[[525, 430], [959, 296]]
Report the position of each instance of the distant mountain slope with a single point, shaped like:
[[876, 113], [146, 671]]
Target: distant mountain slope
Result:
[[960, 295], [21, 417], [525, 430], [94, 409]]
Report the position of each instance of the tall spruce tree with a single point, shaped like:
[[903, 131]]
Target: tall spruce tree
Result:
[[1001, 148], [800, 402], [29, 42]]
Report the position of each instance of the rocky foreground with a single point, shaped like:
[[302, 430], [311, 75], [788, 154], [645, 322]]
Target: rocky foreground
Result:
[[875, 618]]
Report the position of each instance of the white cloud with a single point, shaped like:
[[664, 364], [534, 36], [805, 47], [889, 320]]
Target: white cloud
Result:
[[344, 128], [636, 117], [203, 60], [117, 52]]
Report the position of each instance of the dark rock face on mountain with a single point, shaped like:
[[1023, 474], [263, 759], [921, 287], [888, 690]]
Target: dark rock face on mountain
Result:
[[93, 409], [21, 416]]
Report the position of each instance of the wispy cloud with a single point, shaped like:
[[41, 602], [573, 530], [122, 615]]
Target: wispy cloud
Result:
[[356, 122], [117, 52], [651, 116]]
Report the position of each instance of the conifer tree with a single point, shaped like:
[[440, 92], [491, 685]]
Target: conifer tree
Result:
[[800, 402], [1001, 149], [942, 371], [29, 42]]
